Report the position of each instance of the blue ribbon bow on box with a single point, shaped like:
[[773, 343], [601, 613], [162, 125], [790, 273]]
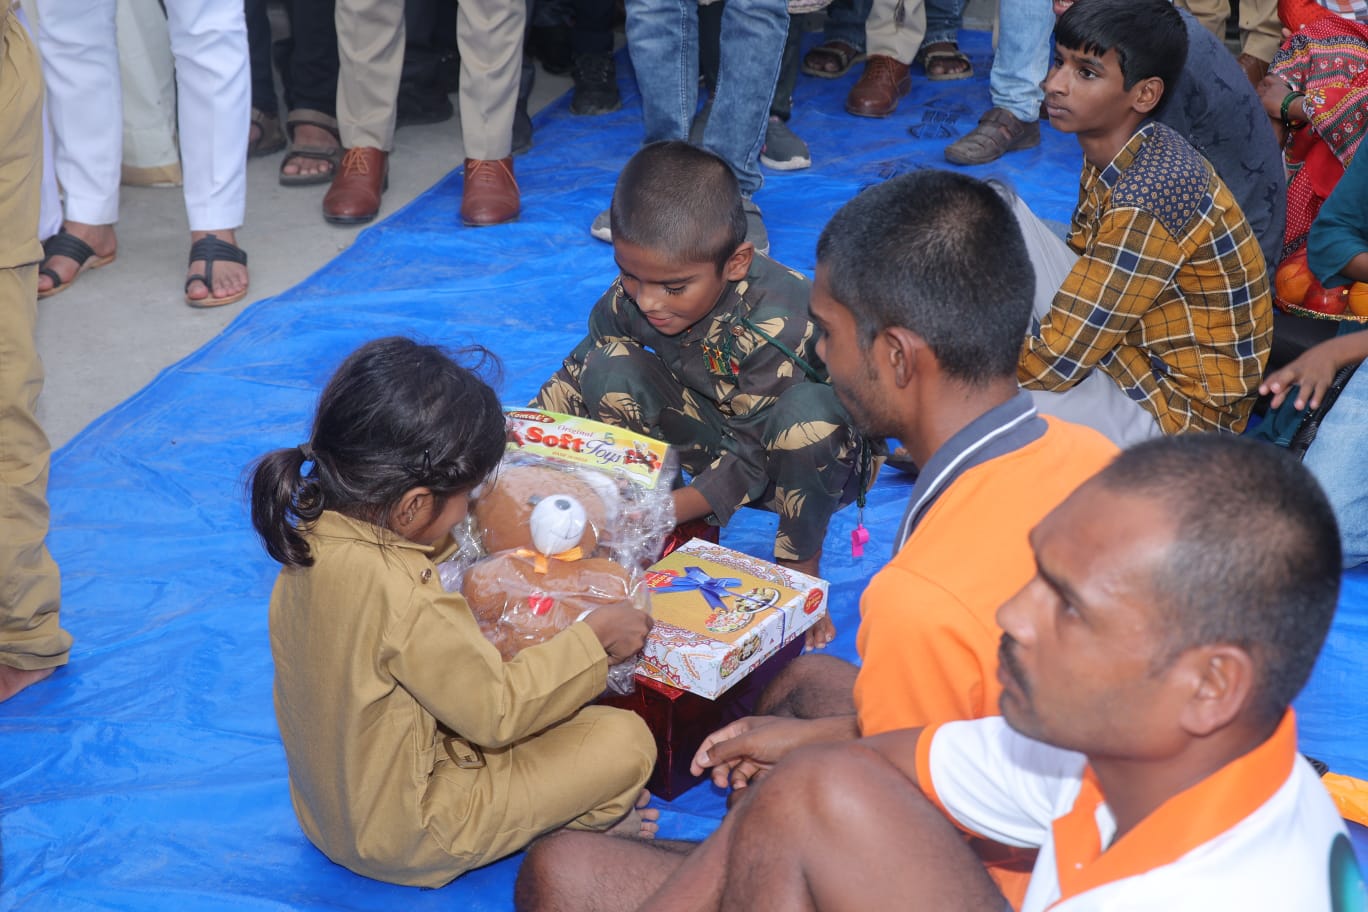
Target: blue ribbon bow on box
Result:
[[695, 579]]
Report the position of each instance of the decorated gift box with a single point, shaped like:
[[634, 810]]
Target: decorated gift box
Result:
[[720, 613]]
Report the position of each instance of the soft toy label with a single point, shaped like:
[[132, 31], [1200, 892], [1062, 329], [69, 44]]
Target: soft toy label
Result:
[[583, 442]]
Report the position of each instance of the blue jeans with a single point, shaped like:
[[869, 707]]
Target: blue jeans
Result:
[[943, 20], [662, 39], [1023, 57], [845, 21], [1336, 459]]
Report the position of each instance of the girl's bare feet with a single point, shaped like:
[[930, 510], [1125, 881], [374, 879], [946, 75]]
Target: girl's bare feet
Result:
[[13, 680], [229, 279], [102, 241], [641, 822]]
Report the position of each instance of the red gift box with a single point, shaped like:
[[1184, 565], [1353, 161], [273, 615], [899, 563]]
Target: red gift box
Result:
[[680, 720]]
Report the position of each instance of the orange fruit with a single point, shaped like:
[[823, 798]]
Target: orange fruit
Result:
[[1293, 279], [1358, 299]]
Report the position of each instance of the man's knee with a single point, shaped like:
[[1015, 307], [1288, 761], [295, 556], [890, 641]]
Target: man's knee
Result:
[[811, 687], [541, 883]]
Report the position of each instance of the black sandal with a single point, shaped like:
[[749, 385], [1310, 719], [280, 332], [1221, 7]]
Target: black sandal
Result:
[[211, 249], [65, 244]]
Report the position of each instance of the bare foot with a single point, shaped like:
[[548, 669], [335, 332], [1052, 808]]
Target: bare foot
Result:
[[13, 680], [230, 279], [101, 239], [641, 822], [309, 135]]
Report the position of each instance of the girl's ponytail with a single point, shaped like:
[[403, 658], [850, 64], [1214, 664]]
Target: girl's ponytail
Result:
[[282, 497]]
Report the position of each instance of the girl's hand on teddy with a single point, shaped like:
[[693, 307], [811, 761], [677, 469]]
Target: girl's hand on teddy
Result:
[[621, 629]]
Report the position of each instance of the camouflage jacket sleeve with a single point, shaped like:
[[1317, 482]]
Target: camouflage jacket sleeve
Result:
[[609, 319], [752, 379]]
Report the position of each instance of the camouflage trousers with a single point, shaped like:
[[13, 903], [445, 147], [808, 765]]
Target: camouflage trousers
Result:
[[803, 440]]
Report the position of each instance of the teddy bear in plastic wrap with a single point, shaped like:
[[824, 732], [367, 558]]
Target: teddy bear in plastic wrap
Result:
[[558, 543]]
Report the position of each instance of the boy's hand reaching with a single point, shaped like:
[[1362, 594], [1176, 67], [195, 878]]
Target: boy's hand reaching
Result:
[[621, 629], [1312, 373]]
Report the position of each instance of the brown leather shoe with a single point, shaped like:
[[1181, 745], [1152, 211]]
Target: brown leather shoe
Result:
[[1254, 68], [491, 194], [883, 82], [354, 197]]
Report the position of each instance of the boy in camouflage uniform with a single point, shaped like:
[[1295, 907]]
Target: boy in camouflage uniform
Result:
[[706, 344]]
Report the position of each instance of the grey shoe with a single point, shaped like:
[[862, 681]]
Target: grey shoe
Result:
[[602, 227], [998, 132], [756, 232], [783, 149]]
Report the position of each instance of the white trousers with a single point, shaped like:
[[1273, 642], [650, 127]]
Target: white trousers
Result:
[[1096, 400], [81, 64]]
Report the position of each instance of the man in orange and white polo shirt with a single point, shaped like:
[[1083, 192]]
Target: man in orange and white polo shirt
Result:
[[1146, 747]]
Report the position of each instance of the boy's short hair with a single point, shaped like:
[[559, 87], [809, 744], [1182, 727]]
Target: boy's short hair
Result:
[[941, 254], [1256, 557], [1149, 36], [680, 200]]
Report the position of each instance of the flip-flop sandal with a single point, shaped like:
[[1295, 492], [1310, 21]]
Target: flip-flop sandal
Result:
[[303, 116], [212, 249], [951, 53], [272, 138], [64, 244], [843, 55]]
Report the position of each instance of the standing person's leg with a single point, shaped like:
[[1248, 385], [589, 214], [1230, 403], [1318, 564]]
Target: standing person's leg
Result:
[[662, 41], [32, 641], [214, 104], [893, 33], [752, 46], [1336, 459], [1019, 67], [940, 54], [311, 94], [591, 48], [370, 61], [490, 36], [784, 150], [1211, 13], [1260, 37], [85, 103], [266, 136], [843, 40]]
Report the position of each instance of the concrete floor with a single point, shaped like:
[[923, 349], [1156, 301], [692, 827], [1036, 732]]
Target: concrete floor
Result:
[[111, 332]]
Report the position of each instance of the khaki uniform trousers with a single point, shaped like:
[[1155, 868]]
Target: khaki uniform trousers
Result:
[[599, 758], [370, 47], [30, 587], [895, 28], [1260, 28]]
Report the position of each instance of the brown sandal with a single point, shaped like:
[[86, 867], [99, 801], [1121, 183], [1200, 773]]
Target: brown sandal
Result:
[[270, 140], [831, 59], [312, 118], [943, 61]]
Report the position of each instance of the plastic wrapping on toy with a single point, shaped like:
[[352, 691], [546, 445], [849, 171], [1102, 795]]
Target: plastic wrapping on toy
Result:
[[548, 543]]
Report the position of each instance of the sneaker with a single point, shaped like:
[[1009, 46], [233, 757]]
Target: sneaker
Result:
[[783, 149], [596, 90], [603, 227], [756, 232]]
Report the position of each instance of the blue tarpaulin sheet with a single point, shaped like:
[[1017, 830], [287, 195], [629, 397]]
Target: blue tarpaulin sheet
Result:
[[148, 774]]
